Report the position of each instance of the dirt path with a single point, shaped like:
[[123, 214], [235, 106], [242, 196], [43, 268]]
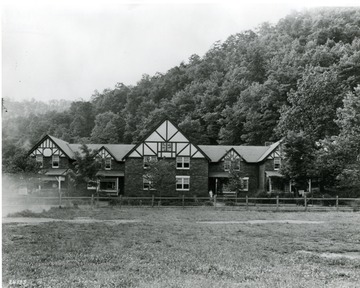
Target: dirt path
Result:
[[263, 222], [79, 220]]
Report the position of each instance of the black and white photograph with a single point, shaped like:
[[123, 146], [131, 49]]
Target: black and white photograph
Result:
[[184, 144]]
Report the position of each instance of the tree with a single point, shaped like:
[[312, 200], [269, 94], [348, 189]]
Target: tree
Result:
[[86, 166], [162, 177], [298, 164], [109, 128]]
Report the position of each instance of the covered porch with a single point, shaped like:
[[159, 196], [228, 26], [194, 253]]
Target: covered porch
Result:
[[110, 183], [218, 182], [276, 182]]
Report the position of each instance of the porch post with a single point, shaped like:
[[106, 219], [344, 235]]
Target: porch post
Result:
[[216, 185], [270, 185]]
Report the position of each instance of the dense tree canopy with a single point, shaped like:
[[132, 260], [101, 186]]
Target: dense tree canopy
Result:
[[287, 80]]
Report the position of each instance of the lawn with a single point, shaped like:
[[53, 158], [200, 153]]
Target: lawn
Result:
[[175, 247]]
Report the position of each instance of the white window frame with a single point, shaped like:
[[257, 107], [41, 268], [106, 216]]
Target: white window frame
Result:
[[148, 159], [277, 163], [181, 161], [54, 161], [183, 180], [246, 188], [110, 164], [40, 159], [227, 164], [148, 182]]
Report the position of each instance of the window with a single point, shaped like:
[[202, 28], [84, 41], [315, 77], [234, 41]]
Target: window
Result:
[[91, 185], [147, 184], [108, 164], [166, 147], [40, 159], [148, 160], [182, 183], [55, 161], [227, 165], [245, 184], [277, 163], [182, 162], [237, 164], [108, 184]]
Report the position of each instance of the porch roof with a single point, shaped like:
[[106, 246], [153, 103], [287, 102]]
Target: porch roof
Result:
[[220, 174], [110, 173], [56, 172], [273, 174]]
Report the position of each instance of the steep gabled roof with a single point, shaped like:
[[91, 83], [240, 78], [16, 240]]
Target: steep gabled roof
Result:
[[251, 154], [63, 145], [118, 151]]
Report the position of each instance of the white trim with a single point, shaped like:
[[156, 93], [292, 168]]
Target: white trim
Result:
[[247, 183], [183, 183], [58, 161], [108, 159], [182, 162]]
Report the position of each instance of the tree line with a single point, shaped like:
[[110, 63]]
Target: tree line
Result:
[[297, 80]]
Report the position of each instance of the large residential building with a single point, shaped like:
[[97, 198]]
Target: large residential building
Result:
[[197, 168]]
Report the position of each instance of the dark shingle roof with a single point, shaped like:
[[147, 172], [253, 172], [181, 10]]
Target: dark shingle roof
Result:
[[251, 154]]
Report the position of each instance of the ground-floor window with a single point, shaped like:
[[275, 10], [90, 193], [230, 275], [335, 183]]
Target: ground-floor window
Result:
[[147, 184], [245, 184], [108, 184], [183, 183]]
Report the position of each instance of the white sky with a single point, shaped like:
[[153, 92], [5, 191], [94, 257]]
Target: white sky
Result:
[[67, 49]]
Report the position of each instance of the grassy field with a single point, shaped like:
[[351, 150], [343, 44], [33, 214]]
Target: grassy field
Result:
[[181, 248]]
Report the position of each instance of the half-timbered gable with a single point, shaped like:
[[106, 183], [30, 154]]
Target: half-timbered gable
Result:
[[52, 153], [166, 141]]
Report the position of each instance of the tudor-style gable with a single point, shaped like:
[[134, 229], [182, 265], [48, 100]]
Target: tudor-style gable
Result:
[[231, 160], [47, 147], [166, 141]]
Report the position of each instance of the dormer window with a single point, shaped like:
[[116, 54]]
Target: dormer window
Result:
[[277, 163], [108, 164], [55, 161], [40, 160]]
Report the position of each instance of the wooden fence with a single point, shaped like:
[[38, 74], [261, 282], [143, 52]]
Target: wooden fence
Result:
[[230, 203]]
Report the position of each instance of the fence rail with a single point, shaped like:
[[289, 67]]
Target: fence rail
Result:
[[239, 203]]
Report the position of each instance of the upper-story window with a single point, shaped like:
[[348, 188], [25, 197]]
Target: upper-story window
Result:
[[277, 163], [166, 147], [55, 161], [182, 162], [148, 160], [40, 159], [107, 163], [227, 165]]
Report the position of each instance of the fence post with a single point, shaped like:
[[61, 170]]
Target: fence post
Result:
[[305, 203], [236, 199], [337, 203], [183, 201], [59, 198], [215, 201], [152, 200], [277, 203], [120, 201], [92, 200], [247, 202]]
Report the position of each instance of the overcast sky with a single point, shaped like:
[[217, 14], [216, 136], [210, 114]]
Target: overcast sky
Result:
[[68, 49]]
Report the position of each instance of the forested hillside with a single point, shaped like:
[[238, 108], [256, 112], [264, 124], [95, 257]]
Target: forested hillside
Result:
[[296, 79]]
